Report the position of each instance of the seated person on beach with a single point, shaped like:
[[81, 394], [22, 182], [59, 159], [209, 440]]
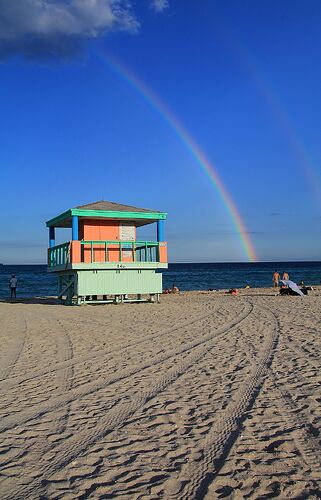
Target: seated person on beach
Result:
[[233, 291], [286, 290], [305, 289], [174, 289]]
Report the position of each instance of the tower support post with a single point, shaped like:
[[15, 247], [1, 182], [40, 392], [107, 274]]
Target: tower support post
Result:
[[160, 230], [51, 236], [74, 228]]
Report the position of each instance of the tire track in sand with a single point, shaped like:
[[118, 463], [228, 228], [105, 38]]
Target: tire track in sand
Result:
[[220, 439], [18, 334], [279, 447], [92, 387], [77, 444], [4, 385], [64, 376], [305, 436], [59, 422], [64, 353]]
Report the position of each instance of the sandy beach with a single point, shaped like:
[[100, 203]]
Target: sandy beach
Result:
[[204, 395]]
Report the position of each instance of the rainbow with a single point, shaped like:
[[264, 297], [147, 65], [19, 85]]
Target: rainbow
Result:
[[189, 143], [278, 110], [284, 123]]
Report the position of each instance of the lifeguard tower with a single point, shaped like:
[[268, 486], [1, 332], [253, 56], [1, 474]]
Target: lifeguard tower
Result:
[[104, 261]]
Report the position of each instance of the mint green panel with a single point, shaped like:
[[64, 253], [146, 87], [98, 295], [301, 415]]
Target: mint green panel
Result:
[[117, 282]]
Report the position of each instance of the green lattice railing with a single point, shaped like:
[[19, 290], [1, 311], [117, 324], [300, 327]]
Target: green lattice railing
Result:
[[59, 255], [135, 251]]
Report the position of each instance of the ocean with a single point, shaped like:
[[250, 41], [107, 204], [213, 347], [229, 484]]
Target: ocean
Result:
[[35, 281]]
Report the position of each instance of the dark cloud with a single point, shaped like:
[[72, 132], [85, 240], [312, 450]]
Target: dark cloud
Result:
[[59, 28]]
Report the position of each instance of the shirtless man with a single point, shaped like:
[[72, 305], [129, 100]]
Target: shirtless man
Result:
[[285, 276], [276, 278]]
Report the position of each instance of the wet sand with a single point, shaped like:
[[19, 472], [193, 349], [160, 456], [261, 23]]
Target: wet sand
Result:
[[204, 395]]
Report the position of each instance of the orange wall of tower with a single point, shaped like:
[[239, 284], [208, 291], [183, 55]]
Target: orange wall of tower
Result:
[[99, 230], [163, 252]]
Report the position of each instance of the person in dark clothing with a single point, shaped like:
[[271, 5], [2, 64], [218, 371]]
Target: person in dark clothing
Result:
[[13, 286]]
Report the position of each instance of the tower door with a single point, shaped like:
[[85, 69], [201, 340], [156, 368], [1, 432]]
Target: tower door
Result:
[[127, 232]]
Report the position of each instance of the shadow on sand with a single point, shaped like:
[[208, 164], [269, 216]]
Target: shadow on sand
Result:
[[32, 300]]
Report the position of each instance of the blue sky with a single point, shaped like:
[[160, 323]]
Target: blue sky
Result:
[[243, 78]]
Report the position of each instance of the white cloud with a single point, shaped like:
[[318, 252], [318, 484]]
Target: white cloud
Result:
[[159, 5], [36, 28]]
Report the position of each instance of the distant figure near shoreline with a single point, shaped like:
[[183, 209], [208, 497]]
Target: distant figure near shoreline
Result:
[[285, 276], [276, 278], [13, 286]]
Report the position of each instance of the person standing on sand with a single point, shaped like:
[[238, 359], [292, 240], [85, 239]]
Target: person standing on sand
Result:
[[276, 278], [13, 286], [285, 276]]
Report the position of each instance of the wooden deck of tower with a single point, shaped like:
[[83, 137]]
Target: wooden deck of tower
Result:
[[104, 261]]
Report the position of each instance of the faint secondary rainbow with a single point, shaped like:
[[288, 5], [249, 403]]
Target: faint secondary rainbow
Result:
[[277, 108], [299, 151], [192, 147]]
